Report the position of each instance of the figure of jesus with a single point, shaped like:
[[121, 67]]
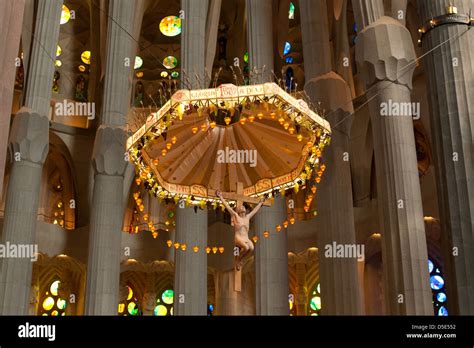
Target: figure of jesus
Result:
[[240, 221]]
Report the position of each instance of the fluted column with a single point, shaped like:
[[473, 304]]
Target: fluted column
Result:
[[28, 148], [193, 39], [385, 55], [190, 277], [103, 269], [260, 39], [271, 260], [340, 288], [11, 17], [450, 73], [43, 56]]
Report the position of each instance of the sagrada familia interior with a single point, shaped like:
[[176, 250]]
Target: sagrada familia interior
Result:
[[110, 183]]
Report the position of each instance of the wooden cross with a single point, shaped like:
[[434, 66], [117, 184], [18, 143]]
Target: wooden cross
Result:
[[239, 198]]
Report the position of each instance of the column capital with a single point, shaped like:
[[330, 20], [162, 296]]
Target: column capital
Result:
[[109, 151], [29, 137], [385, 52]]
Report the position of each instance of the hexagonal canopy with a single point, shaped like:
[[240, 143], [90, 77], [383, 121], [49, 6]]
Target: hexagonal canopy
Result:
[[205, 140]]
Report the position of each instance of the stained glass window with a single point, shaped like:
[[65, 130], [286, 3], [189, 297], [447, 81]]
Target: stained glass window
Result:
[[291, 11], [289, 60], [438, 289], [130, 305], [138, 62], [170, 62], [53, 304], [86, 57], [170, 26], [164, 303], [286, 48], [65, 15], [315, 301], [210, 309]]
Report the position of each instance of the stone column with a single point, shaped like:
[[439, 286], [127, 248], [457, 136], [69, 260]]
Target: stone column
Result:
[[301, 295], [450, 74], [148, 302], [11, 15], [43, 56], [260, 39], [271, 260], [103, 271], [28, 148], [340, 288], [193, 39], [190, 279], [385, 55]]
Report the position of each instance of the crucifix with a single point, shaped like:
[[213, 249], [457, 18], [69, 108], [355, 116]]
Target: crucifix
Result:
[[240, 220]]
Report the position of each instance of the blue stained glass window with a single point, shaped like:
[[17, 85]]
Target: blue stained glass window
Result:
[[287, 48], [441, 297], [430, 266], [437, 282], [442, 312], [289, 60], [438, 289]]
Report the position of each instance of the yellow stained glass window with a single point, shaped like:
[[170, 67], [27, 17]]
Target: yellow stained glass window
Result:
[[170, 26], [86, 57]]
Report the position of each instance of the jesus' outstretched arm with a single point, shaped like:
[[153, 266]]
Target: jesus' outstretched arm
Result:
[[226, 205], [256, 209]]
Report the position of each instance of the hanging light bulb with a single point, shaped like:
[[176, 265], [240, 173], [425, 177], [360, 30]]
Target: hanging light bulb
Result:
[[169, 243], [214, 250], [195, 248], [299, 137], [286, 125], [227, 120], [155, 161], [168, 146], [272, 115], [203, 127], [155, 234], [176, 245], [138, 181], [281, 120], [243, 119], [292, 220], [278, 228], [194, 129], [255, 239], [163, 152], [313, 189], [208, 250], [260, 115], [221, 250], [291, 130], [174, 140], [266, 234], [285, 223], [251, 118], [183, 247], [212, 124]]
